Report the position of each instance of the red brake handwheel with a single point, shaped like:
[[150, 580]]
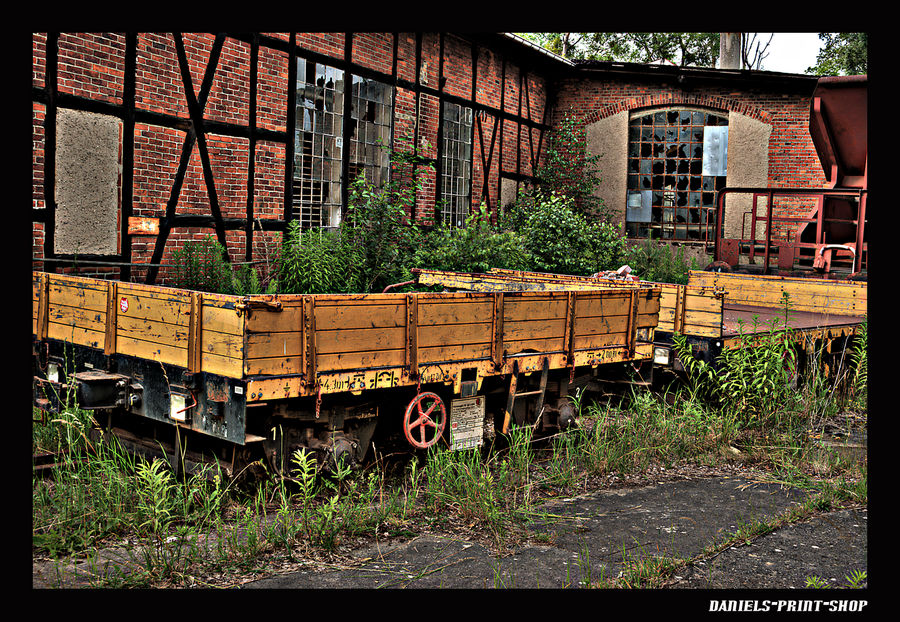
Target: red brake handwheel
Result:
[[425, 414]]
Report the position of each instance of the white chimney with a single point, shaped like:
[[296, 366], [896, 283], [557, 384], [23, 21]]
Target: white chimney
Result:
[[729, 50]]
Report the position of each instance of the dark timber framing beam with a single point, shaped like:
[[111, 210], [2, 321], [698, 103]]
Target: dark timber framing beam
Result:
[[128, 97], [291, 129], [251, 155], [346, 124], [194, 134], [439, 159]]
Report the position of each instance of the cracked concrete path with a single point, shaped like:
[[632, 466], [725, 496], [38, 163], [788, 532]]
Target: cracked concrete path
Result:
[[589, 537]]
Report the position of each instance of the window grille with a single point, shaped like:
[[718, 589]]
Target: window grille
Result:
[[456, 163], [319, 140]]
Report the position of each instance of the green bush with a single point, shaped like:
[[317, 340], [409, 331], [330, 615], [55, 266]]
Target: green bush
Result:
[[751, 380], [476, 247], [658, 262], [561, 240], [202, 266], [317, 261], [379, 229], [247, 282]]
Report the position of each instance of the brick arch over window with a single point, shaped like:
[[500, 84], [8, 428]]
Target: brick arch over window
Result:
[[607, 128], [635, 104]]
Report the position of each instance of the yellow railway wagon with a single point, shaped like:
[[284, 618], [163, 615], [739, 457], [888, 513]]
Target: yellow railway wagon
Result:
[[317, 372], [817, 313]]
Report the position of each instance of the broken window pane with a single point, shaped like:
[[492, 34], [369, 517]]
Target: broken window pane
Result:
[[317, 197], [319, 139]]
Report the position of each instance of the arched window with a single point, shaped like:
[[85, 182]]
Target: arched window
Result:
[[676, 163]]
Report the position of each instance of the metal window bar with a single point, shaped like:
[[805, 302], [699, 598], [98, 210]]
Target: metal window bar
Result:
[[317, 157], [371, 114]]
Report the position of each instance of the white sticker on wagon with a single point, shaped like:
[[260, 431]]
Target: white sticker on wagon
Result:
[[467, 422]]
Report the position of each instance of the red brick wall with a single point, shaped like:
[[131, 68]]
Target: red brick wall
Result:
[[792, 156], [91, 66]]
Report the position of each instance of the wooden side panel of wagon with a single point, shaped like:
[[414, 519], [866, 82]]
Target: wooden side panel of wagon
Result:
[[690, 310], [200, 332], [333, 343], [835, 297]]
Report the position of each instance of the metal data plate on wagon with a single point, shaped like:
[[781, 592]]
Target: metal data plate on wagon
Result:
[[466, 422]]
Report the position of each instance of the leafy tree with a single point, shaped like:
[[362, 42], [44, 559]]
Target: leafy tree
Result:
[[685, 49], [569, 169], [843, 54]]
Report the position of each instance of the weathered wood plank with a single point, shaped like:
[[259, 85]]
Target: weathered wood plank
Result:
[[76, 335], [449, 354], [588, 342], [162, 306], [615, 302], [360, 360], [83, 296], [355, 315], [271, 366], [434, 313], [290, 318], [221, 365], [152, 351], [520, 346], [90, 319], [454, 334], [530, 309], [221, 320], [359, 340], [222, 344], [534, 329], [601, 326], [264, 345], [156, 332]]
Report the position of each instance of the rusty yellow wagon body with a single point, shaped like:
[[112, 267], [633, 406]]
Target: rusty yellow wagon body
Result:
[[323, 372], [714, 310], [818, 314]]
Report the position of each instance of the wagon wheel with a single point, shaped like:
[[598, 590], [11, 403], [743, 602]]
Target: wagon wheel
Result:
[[425, 412]]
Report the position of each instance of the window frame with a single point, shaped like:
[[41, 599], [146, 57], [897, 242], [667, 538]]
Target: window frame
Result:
[[330, 147], [457, 148], [667, 195]]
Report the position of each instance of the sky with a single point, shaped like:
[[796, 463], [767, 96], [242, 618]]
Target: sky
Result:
[[790, 52]]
